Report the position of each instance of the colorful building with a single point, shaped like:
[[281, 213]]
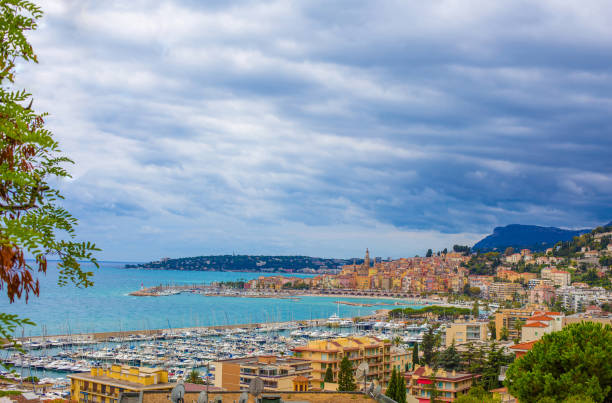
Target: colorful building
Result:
[[448, 384], [277, 373], [328, 353], [466, 332], [104, 385]]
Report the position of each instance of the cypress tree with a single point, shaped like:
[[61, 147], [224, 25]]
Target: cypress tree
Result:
[[329, 375], [392, 386], [401, 389], [346, 382], [415, 354]]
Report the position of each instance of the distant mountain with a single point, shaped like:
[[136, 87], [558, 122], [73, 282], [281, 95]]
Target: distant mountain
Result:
[[245, 263], [525, 237]]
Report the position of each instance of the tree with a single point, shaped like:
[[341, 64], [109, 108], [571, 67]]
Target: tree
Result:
[[503, 333], [194, 377], [329, 375], [475, 309], [400, 396], [33, 222], [429, 253], [477, 394], [492, 330], [576, 361], [392, 386], [450, 358], [429, 344], [518, 325], [495, 360], [415, 354], [346, 381]]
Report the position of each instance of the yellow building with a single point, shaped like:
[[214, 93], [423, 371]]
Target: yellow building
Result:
[[401, 359], [363, 283], [328, 353], [507, 318], [465, 332], [103, 385]]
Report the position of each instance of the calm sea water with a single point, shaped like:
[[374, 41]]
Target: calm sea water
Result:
[[107, 306]]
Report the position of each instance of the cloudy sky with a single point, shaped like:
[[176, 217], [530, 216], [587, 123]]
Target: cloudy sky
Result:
[[323, 128]]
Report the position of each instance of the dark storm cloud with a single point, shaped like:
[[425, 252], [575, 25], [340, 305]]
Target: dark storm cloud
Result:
[[320, 128]]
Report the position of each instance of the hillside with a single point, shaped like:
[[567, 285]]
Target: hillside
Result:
[[244, 263], [520, 236]]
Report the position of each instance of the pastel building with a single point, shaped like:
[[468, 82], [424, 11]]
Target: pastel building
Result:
[[449, 384], [104, 385]]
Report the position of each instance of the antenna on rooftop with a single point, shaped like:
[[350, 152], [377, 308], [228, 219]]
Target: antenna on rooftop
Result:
[[178, 393], [362, 373], [203, 397], [256, 386]]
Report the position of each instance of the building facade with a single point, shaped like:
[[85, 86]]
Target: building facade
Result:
[[277, 373], [448, 384], [328, 353], [104, 385], [465, 332]]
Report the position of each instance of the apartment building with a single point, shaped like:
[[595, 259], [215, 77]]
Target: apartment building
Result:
[[466, 332], [560, 278], [277, 373], [449, 384], [104, 385], [540, 324], [505, 291], [328, 353], [507, 318]]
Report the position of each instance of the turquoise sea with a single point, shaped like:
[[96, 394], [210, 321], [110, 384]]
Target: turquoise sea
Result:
[[107, 306]]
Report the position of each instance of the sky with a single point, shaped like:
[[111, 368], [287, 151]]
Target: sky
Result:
[[321, 128]]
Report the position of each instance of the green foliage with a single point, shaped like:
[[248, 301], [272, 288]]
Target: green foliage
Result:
[[476, 309], [462, 249], [392, 386], [495, 360], [504, 333], [346, 381], [591, 278], [245, 263], [477, 394], [296, 285], [429, 253], [576, 361], [430, 342], [194, 377], [483, 263], [396, 389], [446, 311], [450, 359], [415, 354], [32, 222], [492, 330], [329, 375], [400, 396], [4, 393], [238, 284]]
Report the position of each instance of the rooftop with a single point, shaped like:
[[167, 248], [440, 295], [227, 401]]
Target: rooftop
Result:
[[86, 376]]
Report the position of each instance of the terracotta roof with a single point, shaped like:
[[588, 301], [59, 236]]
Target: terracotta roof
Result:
[[535, 324], [524, 346], [541, 317]]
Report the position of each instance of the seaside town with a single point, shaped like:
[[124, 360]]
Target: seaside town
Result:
[[481, 312], [364, 202]]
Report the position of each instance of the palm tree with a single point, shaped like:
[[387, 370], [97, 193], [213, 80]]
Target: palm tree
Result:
[[194, 377]]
